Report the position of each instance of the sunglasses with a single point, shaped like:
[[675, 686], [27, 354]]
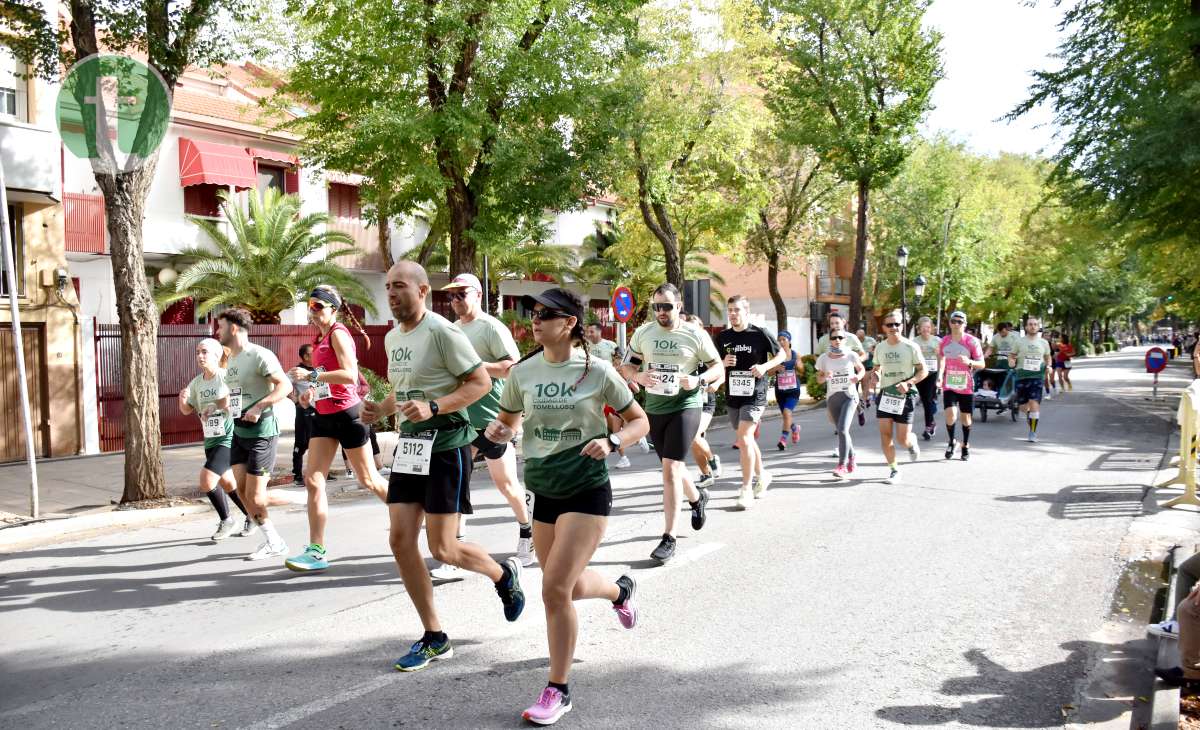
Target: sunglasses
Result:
[[958, 321], [891, 325], [541, 315], [836, 337], [458, 296], [663, 306], [317, 306]]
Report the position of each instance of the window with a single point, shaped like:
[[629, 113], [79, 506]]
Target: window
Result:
[[202, 200], [13, 88], [14, 235], [270, 176]]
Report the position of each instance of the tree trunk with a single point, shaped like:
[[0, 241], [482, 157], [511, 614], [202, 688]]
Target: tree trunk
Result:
[[462, 211], [860, 256], [773, 288], [125, 202], [385, 242]]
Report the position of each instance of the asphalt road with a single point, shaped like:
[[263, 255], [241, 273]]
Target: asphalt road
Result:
[[967, 596]]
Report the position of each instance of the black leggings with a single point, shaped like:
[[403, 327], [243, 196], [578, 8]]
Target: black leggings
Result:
[[927, 389]]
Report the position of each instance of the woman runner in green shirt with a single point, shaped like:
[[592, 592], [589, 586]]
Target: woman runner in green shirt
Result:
[[561, 393]]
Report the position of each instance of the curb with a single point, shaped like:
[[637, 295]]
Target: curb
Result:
[[53, 530]]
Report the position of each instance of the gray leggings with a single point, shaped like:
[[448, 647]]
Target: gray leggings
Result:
[[842, 407]]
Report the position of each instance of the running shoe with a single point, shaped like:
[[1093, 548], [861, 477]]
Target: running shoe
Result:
[[1166, 629], [850, 465], [349, 473], [966, 452], [1033, 437], [313, 558], [836, 454], [525, 551], [762, 484], [795, 433], [698, 515], [644, 445], [840, 471], [745, 498], [705, 481], [623, 462], [447, 572], [510, 591], [862, 417], [423, 653], [714, 466], [1049, 397], [627, 612], [914, 451], [224, 529], [950, 450], [665, 550], [782, 445], [926, 434], [248, 529], [893, 477], [551, 706], [267, 550], [298, 480]]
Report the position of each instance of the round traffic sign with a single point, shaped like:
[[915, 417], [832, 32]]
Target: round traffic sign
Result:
[[622, 303], [1156, 360]]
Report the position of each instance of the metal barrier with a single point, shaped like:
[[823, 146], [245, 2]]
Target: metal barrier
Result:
[[1189, 421]]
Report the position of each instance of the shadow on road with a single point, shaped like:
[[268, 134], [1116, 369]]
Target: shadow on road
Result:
[[1089, 501]]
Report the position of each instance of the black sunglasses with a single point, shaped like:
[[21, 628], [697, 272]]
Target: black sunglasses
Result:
[[958, 321], [458, 296], [836, 337], [542, 315], [891, 325], [663, 306]]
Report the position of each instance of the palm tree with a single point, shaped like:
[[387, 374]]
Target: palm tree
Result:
[[265, 264]]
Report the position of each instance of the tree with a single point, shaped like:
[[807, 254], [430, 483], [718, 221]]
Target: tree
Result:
[[856, 80], [170, 37], [497, 111], [274, 257]]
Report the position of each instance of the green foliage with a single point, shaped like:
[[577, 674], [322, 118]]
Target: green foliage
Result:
[[816, 390], [380, 390], [522, 329], [266, 264]]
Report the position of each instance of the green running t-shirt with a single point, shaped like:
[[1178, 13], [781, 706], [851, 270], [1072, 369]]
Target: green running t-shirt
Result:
[[679, 351], [1029, 349], [1002, 345], [203, 393], [896, 363], [249, 370], [603, 350], [428, 363], [492, 342], [562, 414]]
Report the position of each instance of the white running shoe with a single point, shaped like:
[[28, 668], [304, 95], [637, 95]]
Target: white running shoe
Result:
[[644, 445], [248, 529], [914, 452], [762, 484], [445, 571], [715, 465], [705, 481], [267, 550], [893, 477], [745, 498], [224, 529], [623, 462], [525, 551], [1166, 629]]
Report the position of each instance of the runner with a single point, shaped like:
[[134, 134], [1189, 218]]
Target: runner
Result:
[[900, 367], [600, 348], [435, 374], [928, 387], [333, 392], [841, 370], [749, 353], [1031, 358], [1062, 363], [304, 416], [850, 343], [868, 383], [495, 345], [256, 383], [959, 356], [707, 462], [1003, 342], [1051, 339], [208, 397], [561, 391], [787, 389], [670, 349]]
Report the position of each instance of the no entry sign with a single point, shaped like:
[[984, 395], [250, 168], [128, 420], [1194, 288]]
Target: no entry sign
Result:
[[622, 303], [1156, 360]]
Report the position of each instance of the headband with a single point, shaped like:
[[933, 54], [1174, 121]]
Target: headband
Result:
[[326, 296]]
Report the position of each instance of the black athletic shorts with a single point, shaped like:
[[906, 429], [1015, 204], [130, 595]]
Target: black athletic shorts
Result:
[[489, 449], [257, 454], [216, 459], [596, 501], [345, 427], [963, 401], [446, 490], [910, 405], [673, 433]]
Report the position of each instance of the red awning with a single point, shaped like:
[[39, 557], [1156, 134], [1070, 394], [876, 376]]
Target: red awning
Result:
[[273, 155], [215, 164]]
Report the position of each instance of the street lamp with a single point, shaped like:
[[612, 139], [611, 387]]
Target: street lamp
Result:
[[919, 288], [902, 260]]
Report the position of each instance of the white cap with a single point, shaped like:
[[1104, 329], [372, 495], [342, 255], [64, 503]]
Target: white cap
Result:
[[464, 281]]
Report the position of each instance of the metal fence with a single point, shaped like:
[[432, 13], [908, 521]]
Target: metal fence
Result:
[[177, 367]]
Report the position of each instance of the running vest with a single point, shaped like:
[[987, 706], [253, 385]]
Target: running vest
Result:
[[340, 397]]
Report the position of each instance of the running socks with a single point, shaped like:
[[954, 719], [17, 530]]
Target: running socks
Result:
[[622, 597], [219, 503], [434, 637], [270, 532], [504, 579], [561, 687], [966, 435], [233, 496], [526, 530], [950, 432], [1033, 424]]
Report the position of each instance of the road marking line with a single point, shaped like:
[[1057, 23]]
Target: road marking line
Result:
[[296, 714]]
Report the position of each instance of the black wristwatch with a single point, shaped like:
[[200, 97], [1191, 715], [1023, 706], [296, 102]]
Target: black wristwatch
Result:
[[433, 407]]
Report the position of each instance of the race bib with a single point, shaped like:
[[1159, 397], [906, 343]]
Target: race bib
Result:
[[893, 404], [321, 391], [214, 426], [1032, 364], [666, 379], [413, 453], [235, 402], [931, 364], [956, 381], [741, 383], [838, 383], [786, 380]]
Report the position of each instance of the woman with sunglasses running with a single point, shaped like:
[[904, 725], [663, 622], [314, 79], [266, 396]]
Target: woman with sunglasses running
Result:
[[841, 369], [338, 423], [561, 393]]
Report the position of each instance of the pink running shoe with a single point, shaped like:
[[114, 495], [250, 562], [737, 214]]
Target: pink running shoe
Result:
[[549, 708], [840, 471], [795, 433], [850, 466], [627, 612]]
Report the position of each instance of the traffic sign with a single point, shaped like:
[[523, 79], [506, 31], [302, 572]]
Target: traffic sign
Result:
[[622, 303], [1156, 360]]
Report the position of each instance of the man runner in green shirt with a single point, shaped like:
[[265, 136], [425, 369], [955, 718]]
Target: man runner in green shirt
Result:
[[900, 367], [1031, 359]]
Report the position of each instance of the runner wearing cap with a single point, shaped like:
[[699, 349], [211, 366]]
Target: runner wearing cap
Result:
[[959, 356], [900, 367], [1031, 359], [559, 391], [928, 387], [495, 346], [663, 354], [333, 391], [435, 374], [787, 388]]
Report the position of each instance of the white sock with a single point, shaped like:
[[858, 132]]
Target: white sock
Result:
[[270, 532]]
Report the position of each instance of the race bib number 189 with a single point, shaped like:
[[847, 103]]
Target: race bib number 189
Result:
[[214, 426], [413, 453]]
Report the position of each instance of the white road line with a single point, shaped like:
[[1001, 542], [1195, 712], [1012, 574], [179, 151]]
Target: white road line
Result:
[[296, 714]]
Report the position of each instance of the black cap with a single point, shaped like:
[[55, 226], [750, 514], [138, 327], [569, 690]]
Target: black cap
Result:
[[558, 299]]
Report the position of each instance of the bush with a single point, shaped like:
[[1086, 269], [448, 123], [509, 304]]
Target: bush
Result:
[[1089, 350], [1114, 346], [815, 390]]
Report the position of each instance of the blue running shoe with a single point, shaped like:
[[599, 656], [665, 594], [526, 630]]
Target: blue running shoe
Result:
[[313, 558], [510, 591], [423, 653]]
